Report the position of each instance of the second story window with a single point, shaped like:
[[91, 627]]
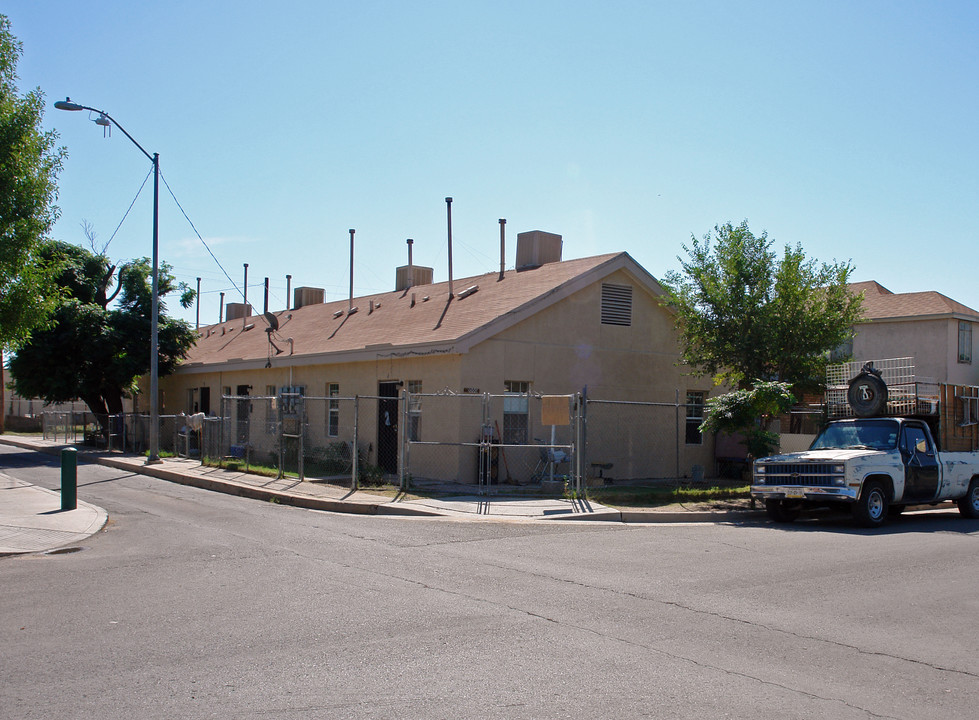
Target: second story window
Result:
[[965, 342]]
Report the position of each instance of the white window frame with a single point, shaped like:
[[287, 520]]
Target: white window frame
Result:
[[333, 410], [695, 416], [516, 412], [414, 410]]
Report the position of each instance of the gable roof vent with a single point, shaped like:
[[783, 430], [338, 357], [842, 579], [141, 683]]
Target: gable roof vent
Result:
[[616, 304]]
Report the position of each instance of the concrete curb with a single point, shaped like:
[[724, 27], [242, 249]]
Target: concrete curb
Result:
[[579, 510], [230, 487]]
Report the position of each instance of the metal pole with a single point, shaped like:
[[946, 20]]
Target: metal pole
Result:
[[69, 478], [154, 453], [448, 210], [288, 291], [355, 470], [502, 246], [677, 423], [197, 326], [221, 311], [350, 302]]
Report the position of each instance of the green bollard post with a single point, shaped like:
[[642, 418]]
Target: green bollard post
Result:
[[69, 478]]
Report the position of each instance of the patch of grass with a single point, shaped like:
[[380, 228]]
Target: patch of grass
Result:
[[252, 469], [644, 496]]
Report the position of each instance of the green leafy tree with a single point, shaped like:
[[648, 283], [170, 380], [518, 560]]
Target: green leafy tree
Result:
[[98, 343], [29, 166], [743, 313], [762, 323], [748, 411]]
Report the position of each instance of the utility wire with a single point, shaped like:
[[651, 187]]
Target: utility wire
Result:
[[190, 222], [130, 208]]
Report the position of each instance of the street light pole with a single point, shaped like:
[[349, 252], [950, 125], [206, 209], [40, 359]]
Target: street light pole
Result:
[[154, 449]]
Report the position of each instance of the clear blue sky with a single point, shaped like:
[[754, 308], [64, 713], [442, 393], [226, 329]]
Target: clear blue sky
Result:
[[848, 127]]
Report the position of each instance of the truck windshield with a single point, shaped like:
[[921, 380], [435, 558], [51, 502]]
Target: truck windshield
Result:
[[863, 434]]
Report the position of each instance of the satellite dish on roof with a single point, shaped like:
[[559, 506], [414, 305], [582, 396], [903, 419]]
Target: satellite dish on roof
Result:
[[273, 322]]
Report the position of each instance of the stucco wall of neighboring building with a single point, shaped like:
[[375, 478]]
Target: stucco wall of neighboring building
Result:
[[932, 343]]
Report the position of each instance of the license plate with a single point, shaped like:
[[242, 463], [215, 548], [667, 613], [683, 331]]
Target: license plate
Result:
[[795, 493]]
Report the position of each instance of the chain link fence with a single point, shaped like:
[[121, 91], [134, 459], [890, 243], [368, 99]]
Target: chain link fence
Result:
[[423, 438], [491, 439]]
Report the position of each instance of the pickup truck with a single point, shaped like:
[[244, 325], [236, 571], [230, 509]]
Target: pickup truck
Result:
[[876, 465]]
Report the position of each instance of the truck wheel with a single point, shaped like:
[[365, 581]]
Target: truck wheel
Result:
[[781, 511], [871, 509], [969, 505]]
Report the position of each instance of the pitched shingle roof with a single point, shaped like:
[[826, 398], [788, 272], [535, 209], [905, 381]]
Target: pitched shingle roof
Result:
[[413, 320], [879, 303]]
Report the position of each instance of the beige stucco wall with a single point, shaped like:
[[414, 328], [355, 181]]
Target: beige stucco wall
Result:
[[932, 343], [566, 348]]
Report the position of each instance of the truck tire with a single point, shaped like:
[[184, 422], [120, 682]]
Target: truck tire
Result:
[[870, 510], [781, 511], [867, 395], [969, 505]]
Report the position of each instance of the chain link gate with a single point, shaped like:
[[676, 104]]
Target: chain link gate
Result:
[[492, 439]]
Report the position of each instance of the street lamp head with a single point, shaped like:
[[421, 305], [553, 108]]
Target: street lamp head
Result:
[[67, 104]]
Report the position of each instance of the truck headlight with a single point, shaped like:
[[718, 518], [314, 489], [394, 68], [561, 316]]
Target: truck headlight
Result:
[[839, 469], [759, 469]]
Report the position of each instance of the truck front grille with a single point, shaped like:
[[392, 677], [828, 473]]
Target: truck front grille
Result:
[[807, 474]]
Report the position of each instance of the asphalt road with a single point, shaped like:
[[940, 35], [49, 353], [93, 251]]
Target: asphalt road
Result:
[[197, 605]]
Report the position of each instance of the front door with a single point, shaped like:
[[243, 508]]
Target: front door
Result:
[[920, 465], [387, 426]]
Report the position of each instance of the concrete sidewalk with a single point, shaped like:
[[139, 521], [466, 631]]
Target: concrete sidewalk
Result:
[[31, 519], [314, 495]]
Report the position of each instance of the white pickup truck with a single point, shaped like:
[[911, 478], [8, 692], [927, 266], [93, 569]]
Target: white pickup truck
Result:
[[886, 457], [876, 465]]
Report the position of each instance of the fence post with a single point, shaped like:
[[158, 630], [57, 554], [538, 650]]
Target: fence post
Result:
[[302, 437], [280, 429], [355, 471], [69, 478], [403, 460], [677, 430]]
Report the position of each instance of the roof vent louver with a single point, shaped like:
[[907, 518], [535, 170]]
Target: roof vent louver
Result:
[[616, 304]]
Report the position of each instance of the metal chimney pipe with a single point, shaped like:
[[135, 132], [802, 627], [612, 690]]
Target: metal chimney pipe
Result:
[[221, 311], [350, 303], [197, 325], [410, 243], [266, 305], [245, 293], [448, 209], [288, 290], [502, 246]]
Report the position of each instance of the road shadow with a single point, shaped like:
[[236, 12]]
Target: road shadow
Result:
[[931, 521]]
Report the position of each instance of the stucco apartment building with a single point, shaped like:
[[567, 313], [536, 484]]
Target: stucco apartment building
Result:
[[938, 332], [548, 327]]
